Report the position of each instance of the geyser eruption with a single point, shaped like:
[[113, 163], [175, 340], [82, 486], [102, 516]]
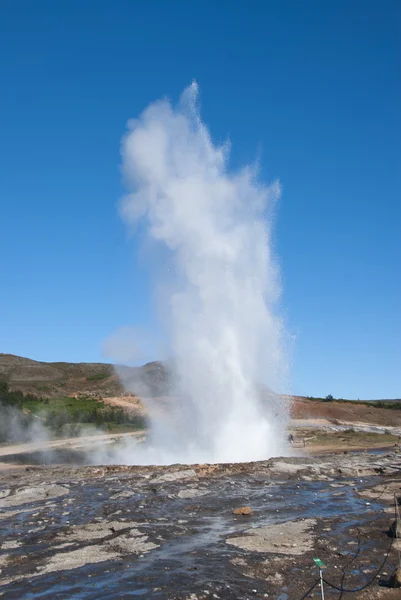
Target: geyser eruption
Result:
[[222, 326]]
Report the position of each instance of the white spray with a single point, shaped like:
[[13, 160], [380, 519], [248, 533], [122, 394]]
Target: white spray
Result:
[[223, 328]]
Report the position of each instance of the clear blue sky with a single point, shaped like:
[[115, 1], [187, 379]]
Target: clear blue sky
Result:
[[311, 87]]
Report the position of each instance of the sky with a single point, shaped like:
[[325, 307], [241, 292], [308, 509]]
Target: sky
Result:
[[311, 90]]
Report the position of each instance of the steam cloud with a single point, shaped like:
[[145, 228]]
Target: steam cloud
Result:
[[223, 328], [18, 427]]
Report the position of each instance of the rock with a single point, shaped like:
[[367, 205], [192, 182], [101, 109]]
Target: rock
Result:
[[122, 495], [132, 543], [192, 493], [395, 529], [94, 531], [29, 494], [395, 579], [10, 545], [242, 510], [174, 476], [278, 538], [75, 559]]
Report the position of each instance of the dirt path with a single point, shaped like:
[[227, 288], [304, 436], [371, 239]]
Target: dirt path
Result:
[[332, 445], [130, 403], [74, 442]]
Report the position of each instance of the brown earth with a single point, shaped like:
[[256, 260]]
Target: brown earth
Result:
[[128, 403], [303, 408]]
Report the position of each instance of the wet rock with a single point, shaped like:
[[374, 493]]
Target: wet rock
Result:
[[242, 510], [395, 579], [122, 495], [133, 543], [94, 531], [174, 476], [10, 545], [33, 494], [77, 558], [12, 513], [288, 467], [193, 532], [192, 493], [3, 559], [278, 538], [395, 529]]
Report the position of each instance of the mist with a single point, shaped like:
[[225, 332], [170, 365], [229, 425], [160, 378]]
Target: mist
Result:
[[19, 427], [220, 310]]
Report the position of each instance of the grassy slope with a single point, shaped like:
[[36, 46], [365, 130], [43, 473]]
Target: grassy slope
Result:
[[67, 379], [60, 416]]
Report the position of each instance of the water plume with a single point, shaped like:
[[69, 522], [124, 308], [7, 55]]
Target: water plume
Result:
[[222, 321]]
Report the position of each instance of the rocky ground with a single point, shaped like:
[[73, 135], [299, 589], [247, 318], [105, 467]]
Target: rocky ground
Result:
[[176, 532]]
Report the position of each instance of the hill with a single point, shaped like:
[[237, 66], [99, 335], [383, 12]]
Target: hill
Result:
[[89, 379], [103, 380], [378, 412]]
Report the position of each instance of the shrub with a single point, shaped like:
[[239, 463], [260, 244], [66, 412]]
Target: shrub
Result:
[[98, 376]]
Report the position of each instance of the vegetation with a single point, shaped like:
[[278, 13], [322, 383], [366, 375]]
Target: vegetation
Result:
[[383, 404], [98, 376], [390, 404], [63, 416], [15, 398], [349, 438]]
